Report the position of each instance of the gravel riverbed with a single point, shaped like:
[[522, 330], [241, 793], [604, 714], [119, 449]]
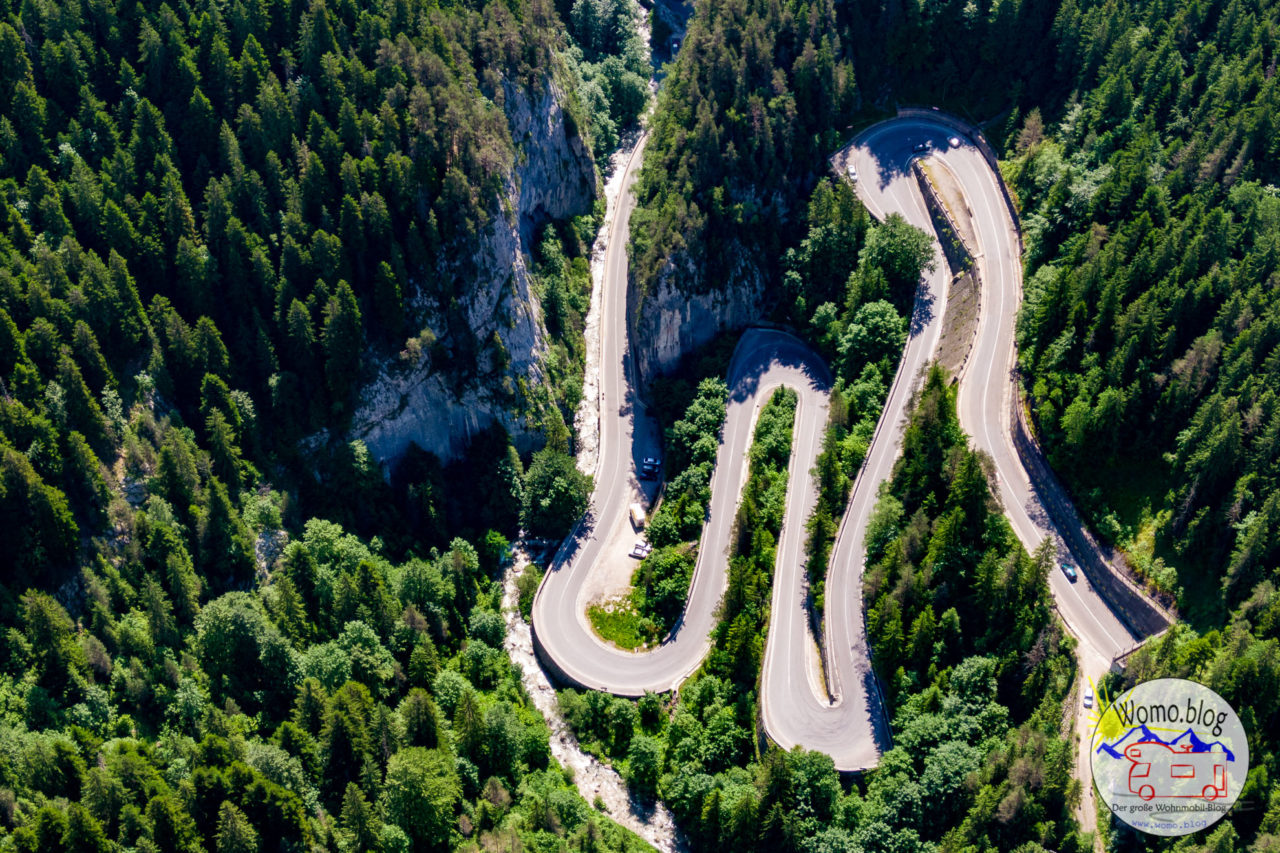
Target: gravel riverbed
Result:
[[593, 778]]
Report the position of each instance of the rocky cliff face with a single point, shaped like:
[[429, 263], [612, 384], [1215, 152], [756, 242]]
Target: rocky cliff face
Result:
[[672, 322], [554, 177]]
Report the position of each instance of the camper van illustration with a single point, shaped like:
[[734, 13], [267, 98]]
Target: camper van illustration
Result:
[[1160, 770]]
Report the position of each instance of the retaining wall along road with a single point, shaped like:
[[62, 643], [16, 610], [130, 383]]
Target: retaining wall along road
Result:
[[957, 250], [964, 287], [1140, 614], [1135, 608]]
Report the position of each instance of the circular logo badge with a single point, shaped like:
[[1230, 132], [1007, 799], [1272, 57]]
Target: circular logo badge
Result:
[[1169, 756]]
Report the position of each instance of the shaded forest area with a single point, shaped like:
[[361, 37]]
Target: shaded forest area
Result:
[[1150, 332], [216, 218], [224, 215]]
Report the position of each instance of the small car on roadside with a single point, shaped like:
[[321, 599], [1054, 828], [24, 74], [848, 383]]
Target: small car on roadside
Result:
[[649, 468], [1070, 571]]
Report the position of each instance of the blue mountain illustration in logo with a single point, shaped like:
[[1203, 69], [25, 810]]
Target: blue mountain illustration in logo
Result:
[[1116, 749]]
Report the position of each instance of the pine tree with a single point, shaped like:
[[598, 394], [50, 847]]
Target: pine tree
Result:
[[225, 549], [45, 536], [343, 343], [235, 833], [84, 833], [360, 824], [423, 662]]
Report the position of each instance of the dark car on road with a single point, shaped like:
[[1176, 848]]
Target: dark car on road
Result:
[[1070, 571], [649, 468]]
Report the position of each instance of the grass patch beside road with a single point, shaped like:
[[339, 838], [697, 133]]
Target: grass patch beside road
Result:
[[618, 622], [659, 590]]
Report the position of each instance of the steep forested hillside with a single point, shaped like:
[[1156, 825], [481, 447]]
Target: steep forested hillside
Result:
[[213, 218], [762, 93], [978, 58], [1150, 329], [743, 124], [222, 214]]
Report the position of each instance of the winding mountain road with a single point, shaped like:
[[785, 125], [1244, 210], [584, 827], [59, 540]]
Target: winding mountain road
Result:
[[881, 156], [842, 717]]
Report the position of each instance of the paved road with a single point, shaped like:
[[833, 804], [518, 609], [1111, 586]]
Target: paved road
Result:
[[763, 362], [843, 717], [562, 635], [986, 396], [881, 156], [846, 721]]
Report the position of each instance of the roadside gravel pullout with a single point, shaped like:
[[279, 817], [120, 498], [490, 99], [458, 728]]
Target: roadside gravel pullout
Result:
[[593, 779]]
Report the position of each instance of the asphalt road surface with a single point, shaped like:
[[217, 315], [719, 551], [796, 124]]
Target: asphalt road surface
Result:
[[840, 714], [881, 155], [562, 635], [842, 718]]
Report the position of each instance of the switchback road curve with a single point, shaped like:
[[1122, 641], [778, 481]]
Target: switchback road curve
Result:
[[881, 156], [840, 715], [846, 723]]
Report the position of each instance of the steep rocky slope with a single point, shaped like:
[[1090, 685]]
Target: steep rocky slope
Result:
[[554, 177], [672, 321]]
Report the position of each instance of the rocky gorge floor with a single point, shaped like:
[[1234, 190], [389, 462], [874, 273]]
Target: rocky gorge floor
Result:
[[596, 781]]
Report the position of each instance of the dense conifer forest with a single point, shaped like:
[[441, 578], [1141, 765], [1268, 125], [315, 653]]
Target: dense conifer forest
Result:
[[1149, 333], [216, 218]]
